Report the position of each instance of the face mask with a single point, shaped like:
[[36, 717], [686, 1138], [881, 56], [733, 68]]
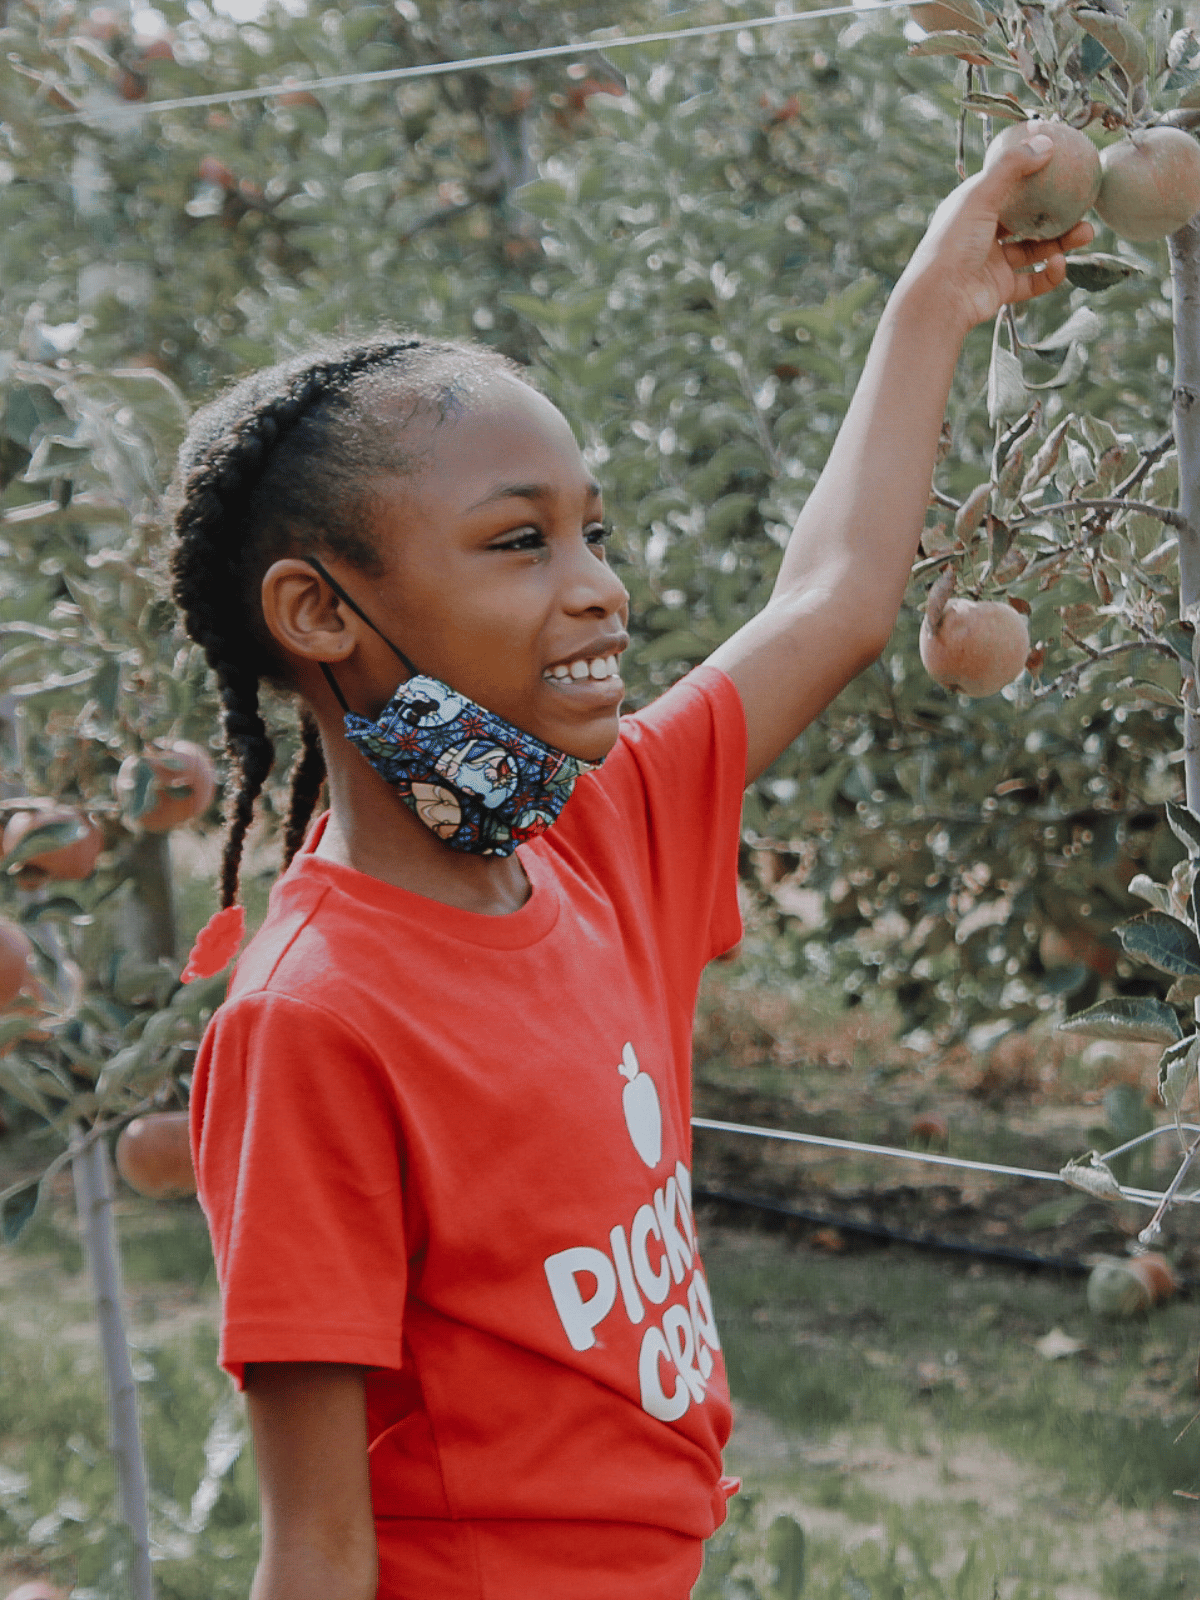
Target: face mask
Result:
[[480, 783]]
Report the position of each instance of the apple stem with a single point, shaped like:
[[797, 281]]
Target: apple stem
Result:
[[935, 603], [94, 1202]]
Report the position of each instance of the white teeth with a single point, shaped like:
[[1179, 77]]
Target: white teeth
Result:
[[599, 667]]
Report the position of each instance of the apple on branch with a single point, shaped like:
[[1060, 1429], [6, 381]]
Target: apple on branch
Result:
[[974, 647]]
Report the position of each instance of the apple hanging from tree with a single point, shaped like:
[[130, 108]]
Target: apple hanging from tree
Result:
[[76, 858], [1150, 183], [181, 785], [154, 1155], [15, 954], [974, 647], [1048, 203]]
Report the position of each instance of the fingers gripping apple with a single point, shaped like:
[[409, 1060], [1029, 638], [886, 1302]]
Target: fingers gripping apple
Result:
[[1049, 202]]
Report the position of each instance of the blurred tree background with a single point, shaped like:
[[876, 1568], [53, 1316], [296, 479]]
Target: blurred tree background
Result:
[[690, 243]]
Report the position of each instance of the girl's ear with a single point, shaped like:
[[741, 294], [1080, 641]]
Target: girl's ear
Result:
[[304, 616]]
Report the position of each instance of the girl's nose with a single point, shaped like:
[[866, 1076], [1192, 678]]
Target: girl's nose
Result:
[[594, 586]]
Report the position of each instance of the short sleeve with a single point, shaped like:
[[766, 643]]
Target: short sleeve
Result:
[[298, 1166], [666, 815]]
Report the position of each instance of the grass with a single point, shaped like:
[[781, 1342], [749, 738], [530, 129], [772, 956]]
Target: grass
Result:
[[900, 1355], [899, 1436]]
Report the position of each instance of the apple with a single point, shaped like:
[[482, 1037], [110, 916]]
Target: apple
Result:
[[15, 954], [132, 85], [929, 1128], [74, 860], [976, 646], [154, 1155], [639, 1102], [1150, 183], [1156, 1273], [184, 784], [1115, 1290], [1049, 202], [213, 170]]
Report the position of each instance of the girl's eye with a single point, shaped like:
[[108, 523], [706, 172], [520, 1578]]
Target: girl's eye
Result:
[[598, 533], [522, 539]]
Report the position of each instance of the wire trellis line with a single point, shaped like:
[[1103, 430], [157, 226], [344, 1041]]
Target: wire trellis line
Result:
[[1146, 1197], [126, 114]]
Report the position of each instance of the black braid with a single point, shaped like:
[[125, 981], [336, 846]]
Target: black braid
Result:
[[277, 466], [308, 774]]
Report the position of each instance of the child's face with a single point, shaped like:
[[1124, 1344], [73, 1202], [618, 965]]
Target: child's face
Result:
[[496, 572]]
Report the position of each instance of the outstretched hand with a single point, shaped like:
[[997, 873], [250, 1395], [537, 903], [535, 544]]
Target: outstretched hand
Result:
[[965, 258]]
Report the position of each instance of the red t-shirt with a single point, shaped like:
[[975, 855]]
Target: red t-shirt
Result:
[[454, 1149]]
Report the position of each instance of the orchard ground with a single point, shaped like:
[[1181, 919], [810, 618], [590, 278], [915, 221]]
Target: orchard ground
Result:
[[900, 1403]]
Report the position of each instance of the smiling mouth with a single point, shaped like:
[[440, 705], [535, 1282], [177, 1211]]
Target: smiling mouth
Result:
[[592, 669]]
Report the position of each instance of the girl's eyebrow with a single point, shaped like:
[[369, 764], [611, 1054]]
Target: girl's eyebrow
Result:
[[530, 491]]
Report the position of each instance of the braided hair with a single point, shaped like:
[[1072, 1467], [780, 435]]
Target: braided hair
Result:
[[280, 465]]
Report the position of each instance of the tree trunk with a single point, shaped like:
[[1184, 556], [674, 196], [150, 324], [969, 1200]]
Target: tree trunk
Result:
[[1185, 282], [94, 1200], [152, 906]]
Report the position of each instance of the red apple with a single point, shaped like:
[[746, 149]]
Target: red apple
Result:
[[154, 1155], [184, 784], [15, 954], [67, 861]]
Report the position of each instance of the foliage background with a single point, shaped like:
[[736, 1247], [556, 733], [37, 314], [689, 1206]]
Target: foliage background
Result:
[[695, 270]]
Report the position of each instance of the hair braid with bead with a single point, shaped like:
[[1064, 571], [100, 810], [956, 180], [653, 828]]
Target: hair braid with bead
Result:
[[276, 467]]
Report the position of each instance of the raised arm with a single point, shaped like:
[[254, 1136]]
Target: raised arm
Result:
[[844, 572], [310, 1442]]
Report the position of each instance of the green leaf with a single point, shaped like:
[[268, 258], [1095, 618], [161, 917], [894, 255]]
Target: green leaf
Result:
[[1127, 1019], [1097, 271], [1181, 639], [43, 837], [1166, 943], [1185, 825], [995, 105], [1006, 392], [106, 685], [1176, 1069], [143, 793], [1052, 1213], [964, 45], [1092, 1176], [1082, 325], [542, 198], [785, 1552], [18, 1207]]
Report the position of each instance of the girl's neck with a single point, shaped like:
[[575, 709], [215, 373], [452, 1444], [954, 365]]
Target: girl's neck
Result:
[[372, 830]]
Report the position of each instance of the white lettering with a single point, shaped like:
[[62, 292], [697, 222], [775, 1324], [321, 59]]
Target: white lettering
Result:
[[666, 1209], [620, 1250], [667, 1408], [654, 1285], [703, 1320], [681, 1337], [577, 1315]]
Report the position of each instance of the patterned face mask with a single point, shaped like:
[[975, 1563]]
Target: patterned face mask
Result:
[[479, 782]]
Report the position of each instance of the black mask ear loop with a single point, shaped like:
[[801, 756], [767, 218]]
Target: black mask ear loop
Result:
[[359, 612]]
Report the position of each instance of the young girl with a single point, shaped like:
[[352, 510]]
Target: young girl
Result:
[[441, 1124]]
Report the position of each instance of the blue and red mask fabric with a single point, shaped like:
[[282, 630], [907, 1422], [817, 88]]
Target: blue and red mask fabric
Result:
[[476, 780]]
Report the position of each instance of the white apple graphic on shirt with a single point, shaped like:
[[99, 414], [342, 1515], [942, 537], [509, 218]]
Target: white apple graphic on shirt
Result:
[[643, 1114]]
